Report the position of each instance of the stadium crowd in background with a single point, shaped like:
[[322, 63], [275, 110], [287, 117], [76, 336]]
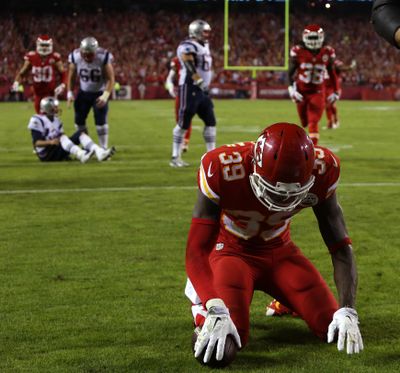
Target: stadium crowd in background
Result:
[[145, 48]]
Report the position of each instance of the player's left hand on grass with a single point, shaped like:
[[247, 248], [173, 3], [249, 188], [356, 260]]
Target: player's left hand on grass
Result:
[[217, 326], [59, 89], [101, 101], [345, 324], [333, 97]]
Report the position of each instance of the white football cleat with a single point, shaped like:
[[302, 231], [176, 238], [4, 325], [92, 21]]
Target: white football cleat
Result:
[[335, 125], [178, 162], [104, 154], [84, 155]]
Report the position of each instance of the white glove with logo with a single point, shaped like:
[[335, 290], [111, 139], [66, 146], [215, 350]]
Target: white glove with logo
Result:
[[294, 94], [333, 97], [201, 84], [15, 86], [217, 326], [170, 88], [102, 100], [345, 323], [59, 89]]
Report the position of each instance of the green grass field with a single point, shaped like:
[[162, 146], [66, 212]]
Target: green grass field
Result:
[[92, 256]]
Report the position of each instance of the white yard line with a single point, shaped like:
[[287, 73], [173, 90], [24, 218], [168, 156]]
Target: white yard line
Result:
[[154, 187]]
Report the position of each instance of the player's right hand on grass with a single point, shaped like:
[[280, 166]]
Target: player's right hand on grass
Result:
[[345, 324], [295, 96], [70, 98], [217, 326]]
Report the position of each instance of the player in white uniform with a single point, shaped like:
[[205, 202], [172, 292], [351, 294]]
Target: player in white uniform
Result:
[[51, 144], [93, 65], [194, 81]]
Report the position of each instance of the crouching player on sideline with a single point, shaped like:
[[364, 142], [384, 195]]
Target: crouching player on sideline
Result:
[[239, 240], [50, 142]]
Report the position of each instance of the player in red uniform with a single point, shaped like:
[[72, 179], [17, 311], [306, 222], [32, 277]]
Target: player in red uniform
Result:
[[309, 64], [239, 239], [170, 86], [44, 65], [331, 108]]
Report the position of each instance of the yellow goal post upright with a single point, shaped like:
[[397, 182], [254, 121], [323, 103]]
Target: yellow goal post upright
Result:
[[254, 69]]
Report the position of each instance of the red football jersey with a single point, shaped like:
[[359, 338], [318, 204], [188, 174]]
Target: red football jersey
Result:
[[224, 178], [44, 71], [312, 68]]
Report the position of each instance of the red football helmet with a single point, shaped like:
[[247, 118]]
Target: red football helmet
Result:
[[44, 45], [313, 37], [283, 164]]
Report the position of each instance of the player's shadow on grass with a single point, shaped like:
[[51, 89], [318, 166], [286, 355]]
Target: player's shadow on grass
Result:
[[264, 346]]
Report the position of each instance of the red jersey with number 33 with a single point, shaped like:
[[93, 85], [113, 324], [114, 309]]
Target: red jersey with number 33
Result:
[[224, 178], [312, 68], [44, 72]]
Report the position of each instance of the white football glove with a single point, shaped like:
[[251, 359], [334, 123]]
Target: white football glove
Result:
[[345, 323], [217, 326], [70, 96], [295, 96], [201, 84], [59, 89], [15, 86], [170, 88], [102, 100], [333, 97]]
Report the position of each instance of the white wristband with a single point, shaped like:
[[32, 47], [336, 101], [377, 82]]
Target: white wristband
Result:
[[105, 96]]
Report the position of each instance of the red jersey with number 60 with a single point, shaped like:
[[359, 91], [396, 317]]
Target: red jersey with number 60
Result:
[[44, 72], [312, 68], [245, 222]]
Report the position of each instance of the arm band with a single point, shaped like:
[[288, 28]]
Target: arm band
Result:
[[339, 245], [386, 19], [189, 64]]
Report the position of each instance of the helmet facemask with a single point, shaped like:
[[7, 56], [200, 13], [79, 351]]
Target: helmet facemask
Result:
[[313, 37], [279, 197], [44, 45]]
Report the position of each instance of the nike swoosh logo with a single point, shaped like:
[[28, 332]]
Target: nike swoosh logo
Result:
[[209, 174]]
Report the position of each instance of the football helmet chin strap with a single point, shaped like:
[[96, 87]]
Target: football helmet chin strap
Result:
[[265, 191]]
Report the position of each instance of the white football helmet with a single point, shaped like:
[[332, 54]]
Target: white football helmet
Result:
[[44, 45], [49, 106], [199, 30], [88, 48], [313, 37]]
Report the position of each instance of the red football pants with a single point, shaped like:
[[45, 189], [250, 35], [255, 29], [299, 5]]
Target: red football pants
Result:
[[189, 130], [331, 110], [284, 273], [310, 112]]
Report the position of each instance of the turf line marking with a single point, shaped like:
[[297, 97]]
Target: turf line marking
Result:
[[154, 187]]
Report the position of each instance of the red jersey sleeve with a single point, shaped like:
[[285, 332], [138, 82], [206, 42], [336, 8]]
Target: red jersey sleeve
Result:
[[209, 174], [326, 172], [29, 56]]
